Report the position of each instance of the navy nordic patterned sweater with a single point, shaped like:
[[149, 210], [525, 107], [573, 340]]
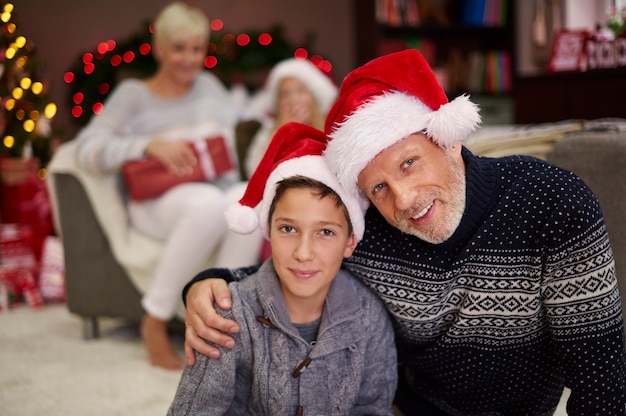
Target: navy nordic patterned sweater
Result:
[[521, 301]]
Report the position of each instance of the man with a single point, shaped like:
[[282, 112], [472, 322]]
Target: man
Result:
[[497, 272]]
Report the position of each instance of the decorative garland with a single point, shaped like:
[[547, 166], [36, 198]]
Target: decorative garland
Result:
[[236, 59]]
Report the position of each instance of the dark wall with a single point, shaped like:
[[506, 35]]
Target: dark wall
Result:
[[64, 29]]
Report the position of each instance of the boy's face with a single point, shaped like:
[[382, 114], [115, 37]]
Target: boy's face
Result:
[[309, 239]]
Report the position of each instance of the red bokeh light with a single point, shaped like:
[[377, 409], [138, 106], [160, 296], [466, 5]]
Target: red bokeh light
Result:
[[325, 66], [210, 61], [243, 39], [89, 68], [103, 48], [97, 108], [265, 39], [129, 56], [87, 58], [116, 60], [316, 59], [145, 48], [217, 24], [301, 53], [78, 98], [111, 44], [77, 111], [68, 77], [104, 88]]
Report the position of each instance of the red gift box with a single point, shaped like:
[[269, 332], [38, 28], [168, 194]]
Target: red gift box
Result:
[[52, 271], [18, 266], [147, 178]]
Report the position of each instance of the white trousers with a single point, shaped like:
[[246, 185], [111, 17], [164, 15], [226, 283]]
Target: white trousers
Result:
[[189, 219]]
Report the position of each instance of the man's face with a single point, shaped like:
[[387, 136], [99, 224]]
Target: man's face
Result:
[[418, 187]]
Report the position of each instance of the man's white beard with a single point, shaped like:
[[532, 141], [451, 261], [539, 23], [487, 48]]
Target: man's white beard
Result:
[[441, 230]]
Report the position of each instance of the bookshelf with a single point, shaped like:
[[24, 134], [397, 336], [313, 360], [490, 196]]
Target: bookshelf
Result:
[[469, 44]]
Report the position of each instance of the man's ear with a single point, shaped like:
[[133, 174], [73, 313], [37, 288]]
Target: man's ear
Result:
[[350, 246]]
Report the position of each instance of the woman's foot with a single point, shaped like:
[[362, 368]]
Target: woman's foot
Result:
[[156, 340]]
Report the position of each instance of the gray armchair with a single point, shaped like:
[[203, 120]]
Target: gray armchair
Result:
[[97, 285], [599, 159]]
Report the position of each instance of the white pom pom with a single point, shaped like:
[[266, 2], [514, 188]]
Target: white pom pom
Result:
[[241, 219], [453, 122]]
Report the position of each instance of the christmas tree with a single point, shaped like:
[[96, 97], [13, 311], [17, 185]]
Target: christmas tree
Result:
[[25, 110]]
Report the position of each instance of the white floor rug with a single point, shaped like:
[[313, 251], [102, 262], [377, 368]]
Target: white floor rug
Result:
[[47, 368]]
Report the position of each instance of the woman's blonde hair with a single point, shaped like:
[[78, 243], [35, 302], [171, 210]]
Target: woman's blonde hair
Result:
[[179, 21]]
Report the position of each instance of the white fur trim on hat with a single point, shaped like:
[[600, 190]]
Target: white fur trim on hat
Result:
[[313, 167], [387, 119], [310, 166]]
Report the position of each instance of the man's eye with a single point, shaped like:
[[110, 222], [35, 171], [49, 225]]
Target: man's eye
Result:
[[378, 188], [408, 162]]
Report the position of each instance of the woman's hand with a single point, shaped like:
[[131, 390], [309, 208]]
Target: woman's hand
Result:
[[202, 322], [177, 156]]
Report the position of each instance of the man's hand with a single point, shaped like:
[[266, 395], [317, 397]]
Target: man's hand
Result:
[[202, 322]]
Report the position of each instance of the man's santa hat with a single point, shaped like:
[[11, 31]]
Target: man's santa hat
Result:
[[384, 101], [295, 149], [318, 83]]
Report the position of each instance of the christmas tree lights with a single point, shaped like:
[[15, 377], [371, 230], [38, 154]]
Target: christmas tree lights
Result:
[[243, 58], [25, 110]]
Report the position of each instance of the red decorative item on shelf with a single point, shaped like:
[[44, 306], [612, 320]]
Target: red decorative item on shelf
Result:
[[147, 178], [568, 51]]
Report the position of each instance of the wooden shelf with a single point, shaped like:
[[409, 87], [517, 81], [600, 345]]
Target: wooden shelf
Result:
[[571, 95], [462, 54]]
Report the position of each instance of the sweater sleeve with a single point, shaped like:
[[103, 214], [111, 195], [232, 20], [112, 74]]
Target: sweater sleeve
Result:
[[220, 273], [213, 387], [380, 373], [103, 144], [583, 307]]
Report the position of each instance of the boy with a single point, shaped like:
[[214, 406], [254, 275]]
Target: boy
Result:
[[299, 311]]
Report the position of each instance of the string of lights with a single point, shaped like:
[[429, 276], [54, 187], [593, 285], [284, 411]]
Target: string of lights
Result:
[[243, 58], [25, 110]]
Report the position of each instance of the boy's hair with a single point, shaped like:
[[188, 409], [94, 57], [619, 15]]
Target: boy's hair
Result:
[[180, 21], [318, 188]]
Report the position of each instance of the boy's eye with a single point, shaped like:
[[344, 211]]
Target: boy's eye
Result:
[[286, 229], [327, 232], [408, 163]]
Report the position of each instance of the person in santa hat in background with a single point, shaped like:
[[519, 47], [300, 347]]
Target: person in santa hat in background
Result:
[[299, 311], [295, 90], [498, 272]]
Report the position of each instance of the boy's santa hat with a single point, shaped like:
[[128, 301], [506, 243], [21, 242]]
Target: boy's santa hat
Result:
[[318, 83], [295, 149], [384, 101]]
